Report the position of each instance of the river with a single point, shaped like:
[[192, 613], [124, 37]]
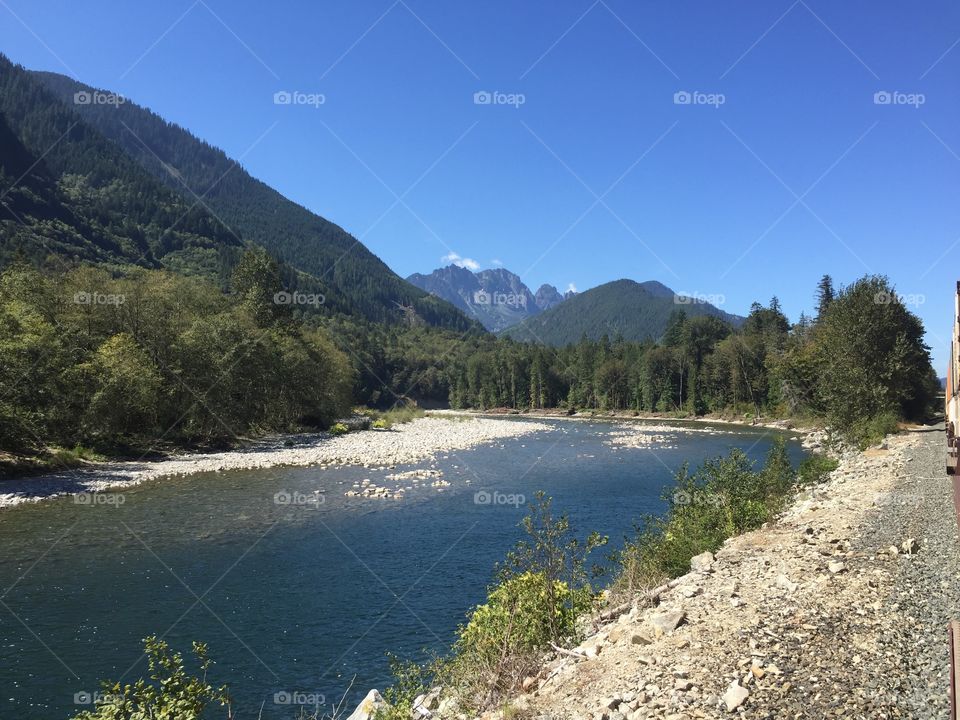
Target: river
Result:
[[298, 590]]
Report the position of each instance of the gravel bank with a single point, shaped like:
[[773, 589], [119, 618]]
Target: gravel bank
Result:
[[413, 442], [836, 611]]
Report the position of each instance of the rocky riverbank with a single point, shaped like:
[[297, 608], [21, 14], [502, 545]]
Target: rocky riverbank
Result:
[[417, 441], [839, 609]]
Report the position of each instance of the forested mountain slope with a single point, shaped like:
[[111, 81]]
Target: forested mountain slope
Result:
[[635, 311], [349, 275]]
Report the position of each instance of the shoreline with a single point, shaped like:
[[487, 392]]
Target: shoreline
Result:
[[414, 442], [421, 440]]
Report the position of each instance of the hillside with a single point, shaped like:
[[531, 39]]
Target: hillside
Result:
[[637, 311], [325, 258], [70, 193], [497, 297]]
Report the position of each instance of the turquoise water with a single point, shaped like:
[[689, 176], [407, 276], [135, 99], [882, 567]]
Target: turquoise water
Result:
[[295, 601]]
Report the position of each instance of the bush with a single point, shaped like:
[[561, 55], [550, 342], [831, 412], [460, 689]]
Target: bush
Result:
[[873, 429], [339, 429], [723, 498], [380, 424], [173, 694], [815, 469]]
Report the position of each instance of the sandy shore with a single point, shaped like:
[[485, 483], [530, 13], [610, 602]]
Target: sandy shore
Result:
[[414, 442]]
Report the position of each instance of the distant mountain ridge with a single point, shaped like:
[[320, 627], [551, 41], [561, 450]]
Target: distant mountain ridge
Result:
[[635, 311], [496, 297]]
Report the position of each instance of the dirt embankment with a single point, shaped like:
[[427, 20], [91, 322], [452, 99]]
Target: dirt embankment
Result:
[[837, 610]]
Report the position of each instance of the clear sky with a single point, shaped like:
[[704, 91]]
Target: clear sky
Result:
[[585, 168]]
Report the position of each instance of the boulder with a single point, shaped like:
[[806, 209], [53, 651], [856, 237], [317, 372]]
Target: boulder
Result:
[[735, 696], [368, 706], [667, 622], [702, 562]]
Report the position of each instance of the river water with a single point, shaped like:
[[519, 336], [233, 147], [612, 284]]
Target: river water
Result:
[[297, 601]]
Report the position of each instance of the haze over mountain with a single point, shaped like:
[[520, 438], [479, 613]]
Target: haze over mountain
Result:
[[497, 297], [636, 311], [96, 177]]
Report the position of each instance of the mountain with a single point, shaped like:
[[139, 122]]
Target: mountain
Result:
[[637, 311], [190, 202], [497, 298]]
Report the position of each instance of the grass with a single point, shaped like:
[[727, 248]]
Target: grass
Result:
[[385, 419]]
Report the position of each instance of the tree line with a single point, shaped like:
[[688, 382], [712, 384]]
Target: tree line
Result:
[[127, 359]]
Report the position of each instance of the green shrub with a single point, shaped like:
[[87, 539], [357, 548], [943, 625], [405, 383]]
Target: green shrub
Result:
[[873, 429], [339, 429], [169, 694], [815, 469], [723, 498], [380, 424]]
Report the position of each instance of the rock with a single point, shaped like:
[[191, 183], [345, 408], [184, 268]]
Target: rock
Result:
[[640, 637], [682, 685], [735, 696], [909, 546], [893, 550], [611, 703], [369, 706], [786, 583], [667, 622], [836, 567], [528, 682], [702, 562]]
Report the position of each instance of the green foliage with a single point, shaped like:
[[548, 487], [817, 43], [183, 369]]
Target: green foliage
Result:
[[170, 693], [815, 469], [119, 361], [410, 680], [872, 365], [541, 590], [722, 498], [339, 429]]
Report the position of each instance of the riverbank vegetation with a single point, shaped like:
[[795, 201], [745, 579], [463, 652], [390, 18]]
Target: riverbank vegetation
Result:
[[126, 362]]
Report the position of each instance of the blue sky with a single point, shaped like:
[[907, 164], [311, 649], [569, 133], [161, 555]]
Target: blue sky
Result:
[[782, 167]]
